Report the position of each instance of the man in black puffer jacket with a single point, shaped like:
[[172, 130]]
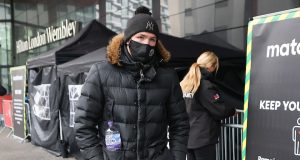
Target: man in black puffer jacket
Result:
[[136, 95]]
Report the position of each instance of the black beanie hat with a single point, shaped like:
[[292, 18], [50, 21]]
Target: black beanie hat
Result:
[[141, 22]]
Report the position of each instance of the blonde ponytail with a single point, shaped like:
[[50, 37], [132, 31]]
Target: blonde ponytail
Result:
[[192, 79]]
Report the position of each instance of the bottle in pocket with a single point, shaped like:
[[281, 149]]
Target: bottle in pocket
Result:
[[112, 138]]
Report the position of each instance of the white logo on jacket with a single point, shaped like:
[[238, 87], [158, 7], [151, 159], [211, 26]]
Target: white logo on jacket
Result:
[[188, 95]]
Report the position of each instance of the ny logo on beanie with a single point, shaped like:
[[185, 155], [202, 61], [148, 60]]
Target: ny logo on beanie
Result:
[[150, 25]]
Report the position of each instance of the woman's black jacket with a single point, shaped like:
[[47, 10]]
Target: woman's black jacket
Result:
[[205, 109]]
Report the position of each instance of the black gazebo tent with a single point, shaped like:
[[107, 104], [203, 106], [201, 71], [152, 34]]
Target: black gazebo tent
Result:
[[230, 77], [44, 86], [72, 75], [83, 63]]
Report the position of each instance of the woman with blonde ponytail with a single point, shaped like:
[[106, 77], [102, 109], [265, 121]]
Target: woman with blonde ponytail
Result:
[[204, 106]]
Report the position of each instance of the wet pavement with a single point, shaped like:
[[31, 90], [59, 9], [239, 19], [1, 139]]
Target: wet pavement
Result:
[[12, 148]]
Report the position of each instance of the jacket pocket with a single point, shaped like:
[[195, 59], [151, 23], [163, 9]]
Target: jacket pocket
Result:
[[165, 155], [109, 110], [113, 155]]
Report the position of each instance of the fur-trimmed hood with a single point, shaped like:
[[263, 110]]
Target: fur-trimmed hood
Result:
[[114, 50]]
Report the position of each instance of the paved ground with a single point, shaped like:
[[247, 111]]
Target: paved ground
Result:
[[14, 149]]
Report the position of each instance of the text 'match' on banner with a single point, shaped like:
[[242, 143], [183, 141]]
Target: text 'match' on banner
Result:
[[18, 83], [272, 97]]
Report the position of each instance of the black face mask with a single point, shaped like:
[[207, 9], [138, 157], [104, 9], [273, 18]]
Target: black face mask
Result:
[[141, 52]]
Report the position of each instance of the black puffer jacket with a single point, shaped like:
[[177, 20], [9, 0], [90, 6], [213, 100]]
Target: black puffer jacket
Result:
[[205, 109], [142, 102]]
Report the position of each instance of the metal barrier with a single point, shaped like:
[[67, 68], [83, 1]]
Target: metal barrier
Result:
[[230, 141]]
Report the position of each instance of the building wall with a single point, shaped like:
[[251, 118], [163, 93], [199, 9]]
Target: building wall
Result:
[[224, 20], [32, 16], [270, 6], [5, 42], [119, 11]]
